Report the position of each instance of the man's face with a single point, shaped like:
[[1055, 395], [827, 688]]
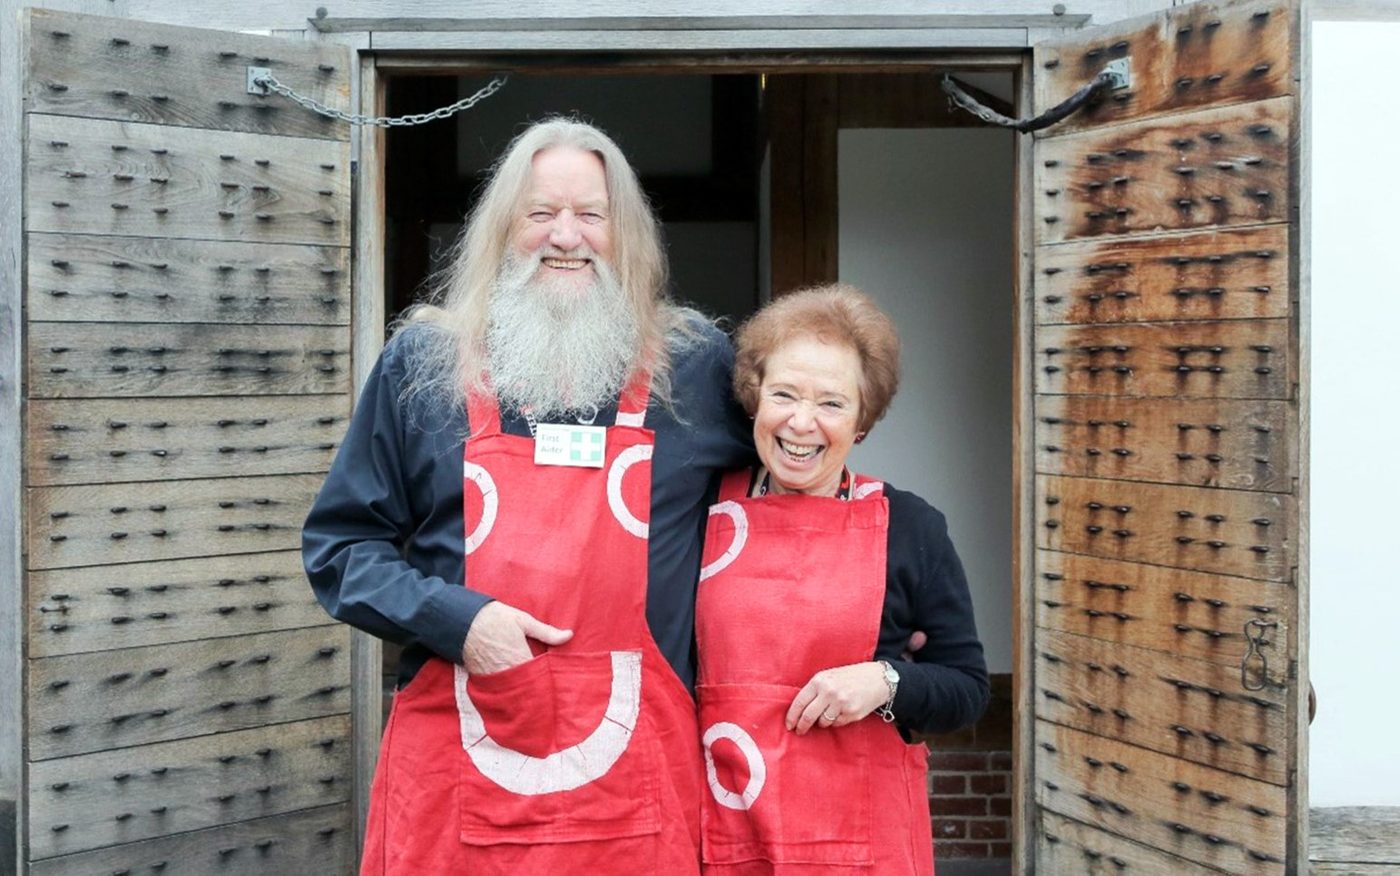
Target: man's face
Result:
[[565, 216]]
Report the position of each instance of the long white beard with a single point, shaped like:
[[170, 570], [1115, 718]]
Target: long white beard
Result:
[[554, 346]]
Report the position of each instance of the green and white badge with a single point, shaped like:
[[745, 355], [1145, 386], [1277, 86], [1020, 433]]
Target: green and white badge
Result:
[[563, 444]]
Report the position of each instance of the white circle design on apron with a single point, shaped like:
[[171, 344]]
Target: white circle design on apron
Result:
[[867, 488], [735, 511], [758, 770], [489, 500], [564, 770], [624, 461]]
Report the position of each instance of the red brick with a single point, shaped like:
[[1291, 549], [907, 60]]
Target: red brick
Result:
[[988, 830], [959, 850], [1000, 806], [948, 783], [1000, 761], [1000, 850], [958, 761], [988, 783], [942, 806], [944, 828]]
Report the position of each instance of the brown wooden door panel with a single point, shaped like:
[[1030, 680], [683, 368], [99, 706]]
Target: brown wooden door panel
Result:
[[109, 440], [1199, 813], [1206, 442], [136, 71], [92, 278], [1219, 167], [103, 608], [1068, 846], [1234, 359], [1202, 55], [1186, 708], [184, 182], [94, 800], [276, 844], [122, 523], [92, 702], [1193, 614], [1212, 275], [1231, 532], [82, 360]]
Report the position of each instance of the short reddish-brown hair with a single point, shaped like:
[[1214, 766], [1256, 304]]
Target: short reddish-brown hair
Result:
[[834, 314]]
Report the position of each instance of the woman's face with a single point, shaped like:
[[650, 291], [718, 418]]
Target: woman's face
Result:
[[808, 408]]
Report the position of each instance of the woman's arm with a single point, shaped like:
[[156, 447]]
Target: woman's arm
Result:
[[945, 688]]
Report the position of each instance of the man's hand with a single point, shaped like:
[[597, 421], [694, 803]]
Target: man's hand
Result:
[[838, 696], [496, 640], [916, 643]]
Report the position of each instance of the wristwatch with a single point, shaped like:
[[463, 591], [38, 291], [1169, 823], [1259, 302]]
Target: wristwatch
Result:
[[892, 682]]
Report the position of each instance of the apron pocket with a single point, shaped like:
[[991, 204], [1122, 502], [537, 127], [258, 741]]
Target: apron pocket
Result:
[[557, 750], [776, 796]]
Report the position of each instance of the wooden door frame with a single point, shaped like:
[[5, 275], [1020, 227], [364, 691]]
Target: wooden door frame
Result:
[[376, 68]]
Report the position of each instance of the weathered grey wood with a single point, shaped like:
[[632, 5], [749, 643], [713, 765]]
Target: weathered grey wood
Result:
[[810, 39], [1164, 802], [1190, 709], [135, 71], [95, 800], [70, 611], [1356, 834], [269, 189], [74, 442], [1206, 442], [84, 278], [311, 840], [1219, 167], [121, 523], [1300, 643], [1208, 55], [268, 13], [1232, 532], [371, 233], [1353, 869], [1211, 275], [1243, 358], [93, 702], [83, 360], [1068, 846], [756, 20], [1193, 614], [12, 802]]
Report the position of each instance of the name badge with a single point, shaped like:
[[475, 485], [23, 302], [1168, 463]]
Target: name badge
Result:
[[562, 444]]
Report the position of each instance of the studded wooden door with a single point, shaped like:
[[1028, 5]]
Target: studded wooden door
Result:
[[186, 382], [1166, 491]]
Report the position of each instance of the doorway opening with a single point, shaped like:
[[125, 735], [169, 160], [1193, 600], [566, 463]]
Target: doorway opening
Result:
[[767, 180]]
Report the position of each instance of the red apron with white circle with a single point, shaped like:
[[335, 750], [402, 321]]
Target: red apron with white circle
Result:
[[583, 759], [792, 585]]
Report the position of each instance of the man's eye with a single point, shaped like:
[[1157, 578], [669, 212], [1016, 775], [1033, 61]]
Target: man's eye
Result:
[[540, 215], [592, 218]]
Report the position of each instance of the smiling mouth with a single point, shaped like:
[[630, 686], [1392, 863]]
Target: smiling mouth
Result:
[[563, 264], [799, 452]]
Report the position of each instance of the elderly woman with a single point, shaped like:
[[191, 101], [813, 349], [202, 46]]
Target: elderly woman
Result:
[[814, 580]]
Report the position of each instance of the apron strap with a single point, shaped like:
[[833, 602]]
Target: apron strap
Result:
[[865, 488], [735, 485], [483, 414], [632, 406]]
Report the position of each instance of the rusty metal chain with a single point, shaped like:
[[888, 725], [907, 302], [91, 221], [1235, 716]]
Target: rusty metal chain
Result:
[[261, 81], [1116, 75], [1254, 632]]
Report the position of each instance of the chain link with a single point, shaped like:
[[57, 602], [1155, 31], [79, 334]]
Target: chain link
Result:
[[268, 81]]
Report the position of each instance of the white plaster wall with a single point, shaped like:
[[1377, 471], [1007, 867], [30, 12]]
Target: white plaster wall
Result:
[[926, 230], [1354, 756]]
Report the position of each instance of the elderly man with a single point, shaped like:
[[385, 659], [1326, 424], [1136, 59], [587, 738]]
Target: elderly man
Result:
[[519, 501]]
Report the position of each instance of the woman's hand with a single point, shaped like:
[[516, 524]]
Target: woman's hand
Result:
[[838, 696]]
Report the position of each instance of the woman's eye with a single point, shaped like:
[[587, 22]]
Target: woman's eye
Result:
[[833, 405]]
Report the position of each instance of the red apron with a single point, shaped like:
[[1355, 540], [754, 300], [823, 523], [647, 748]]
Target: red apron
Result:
[[583, 759], [791, 585]]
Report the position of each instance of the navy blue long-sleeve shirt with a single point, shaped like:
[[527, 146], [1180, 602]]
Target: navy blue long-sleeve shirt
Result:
[[383, 544]]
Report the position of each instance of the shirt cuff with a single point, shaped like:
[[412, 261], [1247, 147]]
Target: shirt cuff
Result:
[[448, 615]]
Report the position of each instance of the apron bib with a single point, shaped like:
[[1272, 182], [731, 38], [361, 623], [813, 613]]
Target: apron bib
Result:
[[791, 585], [582, 759]]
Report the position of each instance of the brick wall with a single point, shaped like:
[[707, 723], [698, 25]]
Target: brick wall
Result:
[[969, 784]]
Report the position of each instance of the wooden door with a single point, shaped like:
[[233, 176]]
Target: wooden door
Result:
[[186, 382], [1166, 372]]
